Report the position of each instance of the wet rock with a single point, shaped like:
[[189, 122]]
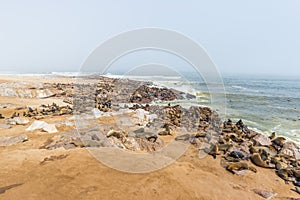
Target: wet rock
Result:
[[261, 140], [11, 140]]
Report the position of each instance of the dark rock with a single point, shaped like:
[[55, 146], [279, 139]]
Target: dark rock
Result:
[[237, 154]]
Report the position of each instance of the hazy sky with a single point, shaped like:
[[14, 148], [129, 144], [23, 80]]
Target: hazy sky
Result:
[[250, 37]]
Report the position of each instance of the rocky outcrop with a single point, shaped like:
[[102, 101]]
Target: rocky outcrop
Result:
[[17, 121], [12, 140], [49, 128], [35, 90]]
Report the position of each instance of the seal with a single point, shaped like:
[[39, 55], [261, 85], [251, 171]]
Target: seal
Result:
[[296, 190], [273, 136], [214, 151], [257, 160], [285, 174], [240, 166], [224, 147], [166, 130], [279, 141]]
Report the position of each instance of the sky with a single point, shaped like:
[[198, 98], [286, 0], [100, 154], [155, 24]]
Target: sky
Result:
[[241, 37]]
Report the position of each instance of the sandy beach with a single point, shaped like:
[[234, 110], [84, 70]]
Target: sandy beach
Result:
[[31, 171]]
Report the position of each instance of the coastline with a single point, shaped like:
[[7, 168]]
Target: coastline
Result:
[[189, 177]]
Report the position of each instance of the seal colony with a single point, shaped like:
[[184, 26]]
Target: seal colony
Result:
[[141, 117]]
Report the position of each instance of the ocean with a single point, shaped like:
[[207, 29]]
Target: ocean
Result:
[[265, 104]]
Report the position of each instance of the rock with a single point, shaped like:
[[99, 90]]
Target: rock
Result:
[[140, 114], [69, 146], [4, 126], [265, 194], [50, 128], [93, 143], [116, 142], [183, 137], [237, 154], [131, 144], [44, 94], [97, 113], [242, 172], [151, 117], [261, 140], [148, 146], [36, 125], [10, 121], [7, 141], [21, 120], [290, 149]]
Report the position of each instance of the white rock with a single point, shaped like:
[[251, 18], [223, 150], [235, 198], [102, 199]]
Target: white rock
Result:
[[21, 120], [141, 115], [151, 117], [44, 93], [262, 140], [37, 125], [50, 128], [4, 126], [97, 113], [10, 121]]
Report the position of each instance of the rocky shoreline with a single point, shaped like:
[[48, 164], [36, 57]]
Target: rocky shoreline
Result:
[[134, 123]]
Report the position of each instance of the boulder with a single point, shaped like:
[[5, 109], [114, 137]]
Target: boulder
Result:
[[131, 144], [290, 149], [4, 126], [45, 93], [37, 125], [21, 120], [50, 128], [261, 140], [97, 113], [11, 140]]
